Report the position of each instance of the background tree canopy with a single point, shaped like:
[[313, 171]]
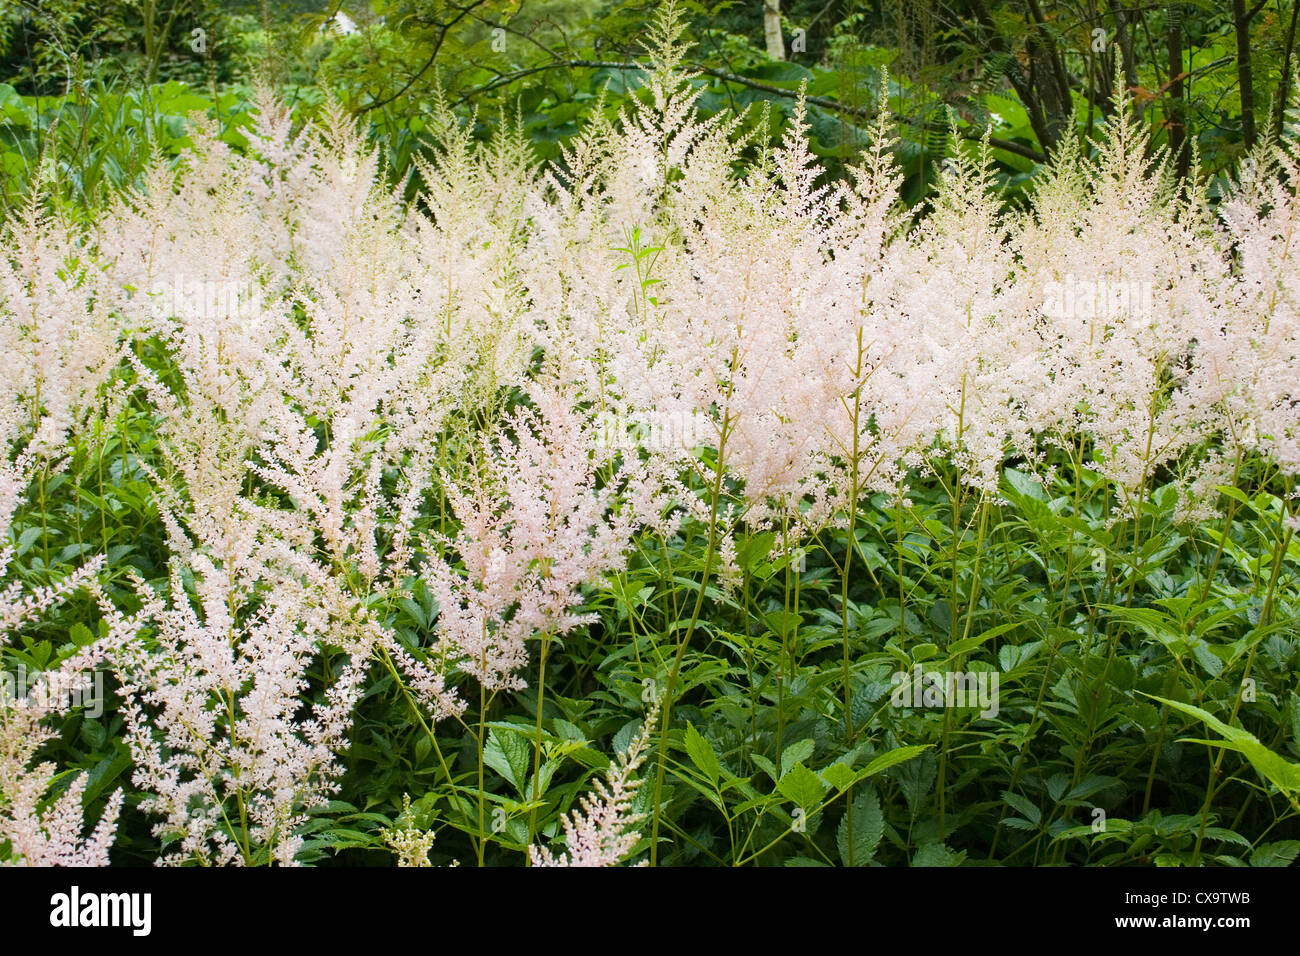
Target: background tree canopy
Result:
[[96, 86]]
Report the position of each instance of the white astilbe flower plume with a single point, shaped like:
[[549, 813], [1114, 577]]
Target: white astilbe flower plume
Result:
[[602, 833], [535, 527], [58, 347], [43, 825]]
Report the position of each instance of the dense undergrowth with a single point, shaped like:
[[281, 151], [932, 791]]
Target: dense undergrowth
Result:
[[638, 510]]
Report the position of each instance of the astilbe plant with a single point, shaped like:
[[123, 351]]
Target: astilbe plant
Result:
[[42, 824], [58, 346], [534, 528], [352, 398], [224, 733], [602, 832]]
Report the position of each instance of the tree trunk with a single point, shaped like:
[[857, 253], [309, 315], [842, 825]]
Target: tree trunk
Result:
[[1124, 29], [1284, 85], [1241, 23], [1177, 112], [772, 29], [1051, 81]]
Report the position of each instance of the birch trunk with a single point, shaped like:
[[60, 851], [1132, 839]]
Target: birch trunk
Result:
[[772, 29]]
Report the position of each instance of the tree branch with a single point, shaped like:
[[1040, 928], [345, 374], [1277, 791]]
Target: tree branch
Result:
[[834, 106], [443, 30]]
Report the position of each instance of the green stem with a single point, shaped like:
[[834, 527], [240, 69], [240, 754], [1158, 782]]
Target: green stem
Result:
[[537, 741], [709, 558]]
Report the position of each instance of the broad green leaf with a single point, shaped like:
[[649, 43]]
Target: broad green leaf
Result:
[[1281, 853], [803, 787], [507, 753], [796, 753], [887, 760], [868, 828], [839, 775], [702, 754]]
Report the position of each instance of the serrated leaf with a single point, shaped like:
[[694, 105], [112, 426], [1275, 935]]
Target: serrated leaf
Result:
[[796, 753], [868, 829], [803, 787], [1022, 804], [568, 731], [1011, 656], [839, 775], [936, 854], [1056, 785], [1281, 853], [507, 753], [916, 778], [1227, 836], [702, 754]]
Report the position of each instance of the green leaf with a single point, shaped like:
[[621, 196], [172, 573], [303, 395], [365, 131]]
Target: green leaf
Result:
[[936, 854], [887, 760], [766, 766], [1011, 656], [868, 828], [542, 782], [1023, 806], [702, 754], [1281, 853], [568, 731], [1094, 784], [1150, 622], [1281, 773], [839, 775], [26, 540], [796, 753], [803, 787], [507, 753], [1026, 486], [1227, 836], [975, 640]]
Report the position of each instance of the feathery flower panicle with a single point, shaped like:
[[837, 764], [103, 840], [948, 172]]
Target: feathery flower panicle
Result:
[[58, 340], [535, 527], [42, 824], [602, 833], [408, 842], [59, 344], [214, 703]]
